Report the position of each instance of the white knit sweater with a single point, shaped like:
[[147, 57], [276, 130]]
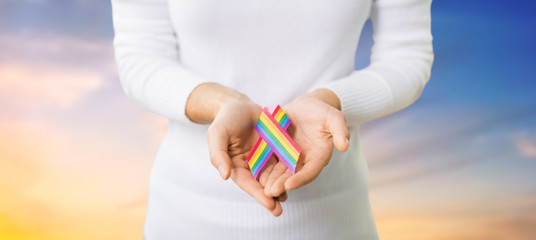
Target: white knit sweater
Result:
[[272, 51]]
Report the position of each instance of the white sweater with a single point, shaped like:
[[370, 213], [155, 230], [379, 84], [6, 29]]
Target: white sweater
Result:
[[272, 51]]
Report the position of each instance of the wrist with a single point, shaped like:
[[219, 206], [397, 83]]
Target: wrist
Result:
[[207, 99], [327, 96], [228, 97]]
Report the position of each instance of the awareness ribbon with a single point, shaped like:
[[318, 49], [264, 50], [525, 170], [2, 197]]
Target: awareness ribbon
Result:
[[273, 139]]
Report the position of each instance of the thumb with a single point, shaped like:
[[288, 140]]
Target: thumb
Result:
[[218, 143], [339, 132]]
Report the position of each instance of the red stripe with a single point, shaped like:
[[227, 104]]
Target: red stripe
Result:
[[260, 139], [254, 149], [276, 124], [275, 110]]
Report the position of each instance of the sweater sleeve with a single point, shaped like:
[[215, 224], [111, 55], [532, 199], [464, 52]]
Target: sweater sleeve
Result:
[[146, 53], [400, 65]]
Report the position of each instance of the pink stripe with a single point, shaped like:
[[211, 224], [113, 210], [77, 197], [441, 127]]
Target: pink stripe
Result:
[[254, 149], [276, 109], [264, 161], [283, 132]]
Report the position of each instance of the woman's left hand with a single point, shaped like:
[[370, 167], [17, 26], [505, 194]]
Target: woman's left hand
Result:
[[317, 126]]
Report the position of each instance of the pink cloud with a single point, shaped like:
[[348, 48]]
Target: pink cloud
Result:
[[25, 85], [44, 69], [526, 147], [46, 48]]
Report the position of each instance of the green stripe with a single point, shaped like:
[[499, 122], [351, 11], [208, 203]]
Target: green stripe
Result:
[[285, 150], [264, 159], [282, 120], [285, 122], [260, 157]]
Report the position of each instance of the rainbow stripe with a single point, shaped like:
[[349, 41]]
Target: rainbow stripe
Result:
[[277, 139], [262, 152]]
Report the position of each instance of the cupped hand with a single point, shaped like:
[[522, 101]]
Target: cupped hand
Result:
[[231, 137], [317, 126]]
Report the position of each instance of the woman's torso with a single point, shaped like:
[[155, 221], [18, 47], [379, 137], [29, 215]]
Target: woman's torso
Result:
[[272, 51]]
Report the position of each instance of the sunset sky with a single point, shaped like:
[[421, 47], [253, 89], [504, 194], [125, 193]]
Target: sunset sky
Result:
[[75, 152]]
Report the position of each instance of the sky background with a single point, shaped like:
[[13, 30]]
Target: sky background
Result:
[[75, 152]]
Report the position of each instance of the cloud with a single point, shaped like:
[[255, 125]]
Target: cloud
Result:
[[503, 217], [526, 147], [58, 180], [412, 145], [25, 85], [44, 69], [417, 225], [524, 142], [36, 47]]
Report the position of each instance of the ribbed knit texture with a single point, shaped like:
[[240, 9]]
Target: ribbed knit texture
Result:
[[272, 51]]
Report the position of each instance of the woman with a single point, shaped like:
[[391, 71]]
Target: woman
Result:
[[209, 66]]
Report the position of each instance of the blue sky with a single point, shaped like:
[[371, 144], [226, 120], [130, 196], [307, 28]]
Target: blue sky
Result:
[[483, 79]]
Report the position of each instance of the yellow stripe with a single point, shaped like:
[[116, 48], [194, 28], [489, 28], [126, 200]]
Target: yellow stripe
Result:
[[257, 153], [263, 144], [279, 115], [285, 140], [279, 136]]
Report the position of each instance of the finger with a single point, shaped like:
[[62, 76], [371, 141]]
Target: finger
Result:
[[307, 174], [277, 171], [266, 170], [218, 143], [283, 197], [244, 179], [278, 210], [339, 131], [278, 187]]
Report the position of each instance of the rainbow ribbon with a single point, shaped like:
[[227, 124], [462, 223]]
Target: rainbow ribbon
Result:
[[273, 139]]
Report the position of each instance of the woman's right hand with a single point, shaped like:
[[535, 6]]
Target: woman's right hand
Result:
[[231, 136]]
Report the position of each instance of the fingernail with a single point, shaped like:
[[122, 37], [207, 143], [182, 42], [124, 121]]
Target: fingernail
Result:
[[347, 140], [221, 169]]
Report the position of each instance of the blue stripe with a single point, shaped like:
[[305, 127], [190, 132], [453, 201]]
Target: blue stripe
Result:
[[263, 157], [273, 136], [280, 144], [279, 150], [285, 122]]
